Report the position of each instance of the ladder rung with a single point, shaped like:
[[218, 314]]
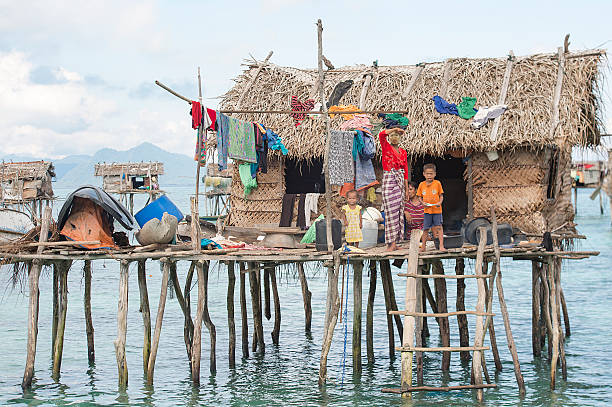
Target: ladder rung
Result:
[[443, 349], [432, 388], [450, 276], [441, 314]]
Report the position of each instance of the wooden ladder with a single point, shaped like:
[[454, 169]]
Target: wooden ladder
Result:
[[413, 315]]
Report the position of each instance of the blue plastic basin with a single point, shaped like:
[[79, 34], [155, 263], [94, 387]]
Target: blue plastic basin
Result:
[[156, 209]]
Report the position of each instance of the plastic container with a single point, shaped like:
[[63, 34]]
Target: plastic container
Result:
[[321, 240], [370, 234], [156, 209], [471, 234], [451, 241]]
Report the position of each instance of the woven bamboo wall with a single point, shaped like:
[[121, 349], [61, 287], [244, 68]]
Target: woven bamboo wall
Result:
[[516, 186]]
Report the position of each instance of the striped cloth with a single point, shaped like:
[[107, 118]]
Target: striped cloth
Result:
[[393, 205], [417, 213]]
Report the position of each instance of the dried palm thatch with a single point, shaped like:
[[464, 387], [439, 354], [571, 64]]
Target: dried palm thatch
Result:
[[526, 123], [133, 169]]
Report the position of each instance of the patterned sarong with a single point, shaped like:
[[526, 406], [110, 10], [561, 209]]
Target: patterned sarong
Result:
[[241, 141], [393, 205]]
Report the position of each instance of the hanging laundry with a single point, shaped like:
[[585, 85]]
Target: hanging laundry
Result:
[[287, 210], [394, 120], [487, 113], [222, 140], [301, 212], [359, 121], [317, 108], [340, 157], [466, 107], [443, 107], [345, 188], [343, 108], [261, 147], [371, 195], [241, 141], [196, 114], [311, 233], [212, 119], [275, 142], [364, 174], [357, 144], [202, 144], [339, 90], [247, 180], [296, 105], [369, 147], [311, 205]]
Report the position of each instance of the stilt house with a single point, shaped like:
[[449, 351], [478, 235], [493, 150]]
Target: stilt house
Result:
[[26, 184], [519, 163]]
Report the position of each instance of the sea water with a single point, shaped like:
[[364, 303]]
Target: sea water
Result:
[[287, 374]]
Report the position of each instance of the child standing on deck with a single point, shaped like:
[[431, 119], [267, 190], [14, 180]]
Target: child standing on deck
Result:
[[395, 177], [413, 210], [351, 217], [431, 193]]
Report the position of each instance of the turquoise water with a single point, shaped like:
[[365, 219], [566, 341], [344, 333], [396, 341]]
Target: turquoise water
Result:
[[287, 374]]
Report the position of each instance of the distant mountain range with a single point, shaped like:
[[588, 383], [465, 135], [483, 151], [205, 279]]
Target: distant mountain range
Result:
[[76, 170]]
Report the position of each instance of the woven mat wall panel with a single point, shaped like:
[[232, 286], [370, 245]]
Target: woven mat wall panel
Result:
[[507, 200], [512, 175], [263, 192], [520, 156], [240, 204], [529, 223], [251, 219]]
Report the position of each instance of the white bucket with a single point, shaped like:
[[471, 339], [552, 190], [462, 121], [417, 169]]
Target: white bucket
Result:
[[370, 234]]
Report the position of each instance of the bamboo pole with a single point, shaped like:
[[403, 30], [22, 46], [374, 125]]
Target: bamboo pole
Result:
[[244, 337], [277, 308], [462, 322], [209, 324], [306, 296], [357, 313], [61, 323], [159, 320], [89, 329], [328, 201], [196, 350], [146, 314], [370, 313], [231, 283], [122, 308], [33, 277], [440, 286], [480, 332], [504, 309], [331, 316]]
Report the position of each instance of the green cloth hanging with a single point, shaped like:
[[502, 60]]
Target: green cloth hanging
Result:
[[466, 108], [311, 234], [357, 145], [247, 179], [403, 120]]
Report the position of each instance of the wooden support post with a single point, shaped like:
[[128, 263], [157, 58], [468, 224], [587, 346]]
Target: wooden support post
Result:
[[385, 268], [535, 309], [440, 285], [357, 312], [244, 336], [306, 296], [321, 84], [56, 306], [546, 269], [566, 321], [196, 350], [558, 306], [258, 338], [419, 326], [159, 320], [470, 188], [504, 310], [231, 283], [388, 309], [480, 305], [554, 319], [33, 277], [122, 308], [58, 346], [370, 313], [411, 305], [146, 314], [425, 289], [208, 323], [267, 312], [185, 305], [89, 329], [489, 289], [462, 322], [277, 308], [195, 220], [331, 315]]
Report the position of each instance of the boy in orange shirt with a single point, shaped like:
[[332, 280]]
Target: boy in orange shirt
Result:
[[431, 193]]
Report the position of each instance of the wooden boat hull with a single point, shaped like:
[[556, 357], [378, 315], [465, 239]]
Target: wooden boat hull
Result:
[[13, 225]]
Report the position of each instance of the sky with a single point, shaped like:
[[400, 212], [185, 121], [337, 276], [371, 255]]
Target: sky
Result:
[[77, 76]]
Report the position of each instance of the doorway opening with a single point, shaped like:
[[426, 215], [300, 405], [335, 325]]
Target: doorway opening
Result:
[[302, 176]]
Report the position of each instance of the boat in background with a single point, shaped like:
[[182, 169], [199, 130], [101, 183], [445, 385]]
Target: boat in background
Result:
[[13, 224]]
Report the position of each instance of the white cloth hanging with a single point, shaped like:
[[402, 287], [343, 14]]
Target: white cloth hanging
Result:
[[485, 114], [311, 204]]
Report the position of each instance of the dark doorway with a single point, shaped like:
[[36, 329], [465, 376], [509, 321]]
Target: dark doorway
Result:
[[449, 171], [303, 176]]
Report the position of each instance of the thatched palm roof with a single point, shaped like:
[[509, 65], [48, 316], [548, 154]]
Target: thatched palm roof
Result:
[[529, 98]]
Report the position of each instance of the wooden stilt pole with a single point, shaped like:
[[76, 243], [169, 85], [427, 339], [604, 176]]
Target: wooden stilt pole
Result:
[[33, 277], [535, 309], [480, 305], [209, 324], [558, 305], [370, 313], [462, 322], [277, 308], [122, 308], [159, 320], [489, 322], [440, 285], [89, 329], [306, 296], [267, 312], [419, 326], [385, 268], [231, 283], [258, 338], [196, 350], [566, 321], [388, 308], [357, 312], [542, 322], [425, 288], [331, 315], [185, 307], [546, 270], [146, 314], [554, 319], [244, 336], [56, 306], [504, 310], [61, 323]]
